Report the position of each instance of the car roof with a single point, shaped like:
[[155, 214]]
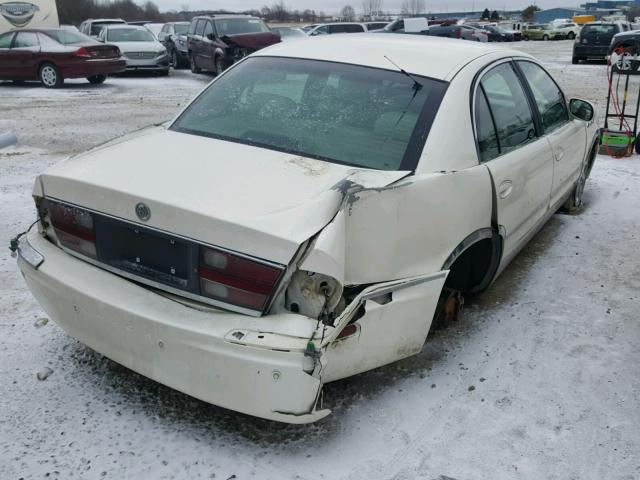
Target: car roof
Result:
[[429, 56], [338, 23], [98, 20], [223, 16], [122, 26]]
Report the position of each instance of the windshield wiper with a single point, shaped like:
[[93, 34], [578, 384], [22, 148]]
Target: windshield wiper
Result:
[[416, 84]]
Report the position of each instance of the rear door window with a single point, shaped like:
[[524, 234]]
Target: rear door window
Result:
[[485, 129], [355, 28], [26, 40], [200, 28], [549, 98], [509, 107], [5, 40], [208, 30]]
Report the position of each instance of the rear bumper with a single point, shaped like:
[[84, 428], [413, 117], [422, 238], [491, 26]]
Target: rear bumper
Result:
[[590, 51], [90, 68], [158, 63], [187, 349]]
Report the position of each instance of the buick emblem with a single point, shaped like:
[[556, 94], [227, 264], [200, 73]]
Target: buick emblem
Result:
[[143, 212], [18, 14]]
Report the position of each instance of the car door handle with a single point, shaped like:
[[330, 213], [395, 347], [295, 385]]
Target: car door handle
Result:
[[505, 189]]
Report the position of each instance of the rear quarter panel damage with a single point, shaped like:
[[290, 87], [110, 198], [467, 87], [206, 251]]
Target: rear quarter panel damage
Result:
[[384, 238]]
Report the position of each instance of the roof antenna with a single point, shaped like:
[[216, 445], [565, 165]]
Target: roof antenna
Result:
[[416, 84]]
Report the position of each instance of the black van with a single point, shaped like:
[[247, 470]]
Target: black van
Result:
[[594, 39]]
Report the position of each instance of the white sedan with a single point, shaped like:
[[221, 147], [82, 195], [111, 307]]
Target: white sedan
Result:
[[307, 215]]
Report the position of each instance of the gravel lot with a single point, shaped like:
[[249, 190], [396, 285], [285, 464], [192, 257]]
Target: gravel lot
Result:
[[538, 380]]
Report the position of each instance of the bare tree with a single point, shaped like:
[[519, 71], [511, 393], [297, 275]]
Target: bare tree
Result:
[[371, 8], [348, 14], [413, 7]]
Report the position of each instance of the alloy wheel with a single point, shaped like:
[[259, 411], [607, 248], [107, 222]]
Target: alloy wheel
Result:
[[49, 76]]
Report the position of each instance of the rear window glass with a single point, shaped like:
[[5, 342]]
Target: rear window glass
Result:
[[130, 35], [340, 113], [68, 37], [5, 40], [600, 29], [181, 29]]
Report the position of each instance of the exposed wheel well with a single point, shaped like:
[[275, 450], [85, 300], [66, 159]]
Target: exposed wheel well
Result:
[[472, 271]]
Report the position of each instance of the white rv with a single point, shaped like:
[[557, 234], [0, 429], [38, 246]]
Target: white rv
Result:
[[16, 14]]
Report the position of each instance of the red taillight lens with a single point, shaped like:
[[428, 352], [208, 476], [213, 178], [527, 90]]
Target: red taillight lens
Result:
[[236, 280], [82, 52], [74, 228]]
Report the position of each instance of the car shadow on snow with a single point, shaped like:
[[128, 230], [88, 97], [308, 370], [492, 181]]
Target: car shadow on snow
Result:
[[175, 409], [68, 85]]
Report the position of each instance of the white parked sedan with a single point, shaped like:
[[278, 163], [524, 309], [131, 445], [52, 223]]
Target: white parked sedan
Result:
[[139, 47], [307, 215]]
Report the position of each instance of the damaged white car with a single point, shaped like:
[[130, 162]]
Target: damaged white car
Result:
[[307, 215]]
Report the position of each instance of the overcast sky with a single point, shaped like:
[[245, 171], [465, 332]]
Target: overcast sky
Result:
[[330, 6]]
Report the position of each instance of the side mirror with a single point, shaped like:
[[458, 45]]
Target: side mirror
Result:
[[210, 36], [581, 109]]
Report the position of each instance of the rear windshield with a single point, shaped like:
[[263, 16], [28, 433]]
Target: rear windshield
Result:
[[340, 113], [181, 29], [97, 27], [68, 37], [599, 29], [234, 26], [130, 35]]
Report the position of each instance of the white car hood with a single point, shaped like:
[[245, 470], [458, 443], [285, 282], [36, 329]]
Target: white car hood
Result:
[[244, 198], [138, 46]]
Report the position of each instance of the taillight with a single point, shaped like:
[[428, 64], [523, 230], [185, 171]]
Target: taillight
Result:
[[577, 40], [74, 228], [236, 280], [82, 52]]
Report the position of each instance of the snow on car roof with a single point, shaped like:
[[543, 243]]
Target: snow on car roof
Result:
[[433, 57]]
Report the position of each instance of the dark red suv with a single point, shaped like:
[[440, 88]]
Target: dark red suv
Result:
[[215, 42]]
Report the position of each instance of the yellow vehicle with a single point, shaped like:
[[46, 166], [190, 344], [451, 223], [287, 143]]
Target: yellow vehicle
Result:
[[582, 19]]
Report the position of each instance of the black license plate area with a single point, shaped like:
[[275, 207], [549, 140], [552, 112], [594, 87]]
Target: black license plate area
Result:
[[145, 253]]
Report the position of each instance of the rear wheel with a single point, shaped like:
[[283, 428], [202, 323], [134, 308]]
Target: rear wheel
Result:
[[97, 79], [194, 65], [571, 36], [574, 203], [575, 60], [50, 76], [545, 37], [219, 65]]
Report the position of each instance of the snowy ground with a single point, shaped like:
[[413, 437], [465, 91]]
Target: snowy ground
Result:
[[539, 380]]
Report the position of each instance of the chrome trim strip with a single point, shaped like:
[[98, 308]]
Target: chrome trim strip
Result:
[[165, 232], [30, 254], [161, 286]]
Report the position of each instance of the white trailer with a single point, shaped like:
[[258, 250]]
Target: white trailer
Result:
[[15, 14]]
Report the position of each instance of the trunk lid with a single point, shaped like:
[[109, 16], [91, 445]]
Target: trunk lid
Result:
[[103, 51], [243, 198]]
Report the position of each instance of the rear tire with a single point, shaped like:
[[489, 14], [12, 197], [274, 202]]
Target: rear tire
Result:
[[571, 36], [97, 79], [575, 60], [545, 37], [194, 65], [50, 76], [219, 65], [574, 204]]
